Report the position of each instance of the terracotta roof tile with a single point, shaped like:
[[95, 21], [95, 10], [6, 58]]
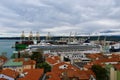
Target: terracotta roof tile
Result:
[[33, 74], [71, 71], [117, 66], [3, 79], [26, 61], [53, 60], [94, 56], [10, 73], [3, 58], [46, 55]]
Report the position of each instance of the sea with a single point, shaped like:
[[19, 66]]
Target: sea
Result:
[[6, 47]]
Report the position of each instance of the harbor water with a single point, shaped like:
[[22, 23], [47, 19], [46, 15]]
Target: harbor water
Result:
[[6, 47]]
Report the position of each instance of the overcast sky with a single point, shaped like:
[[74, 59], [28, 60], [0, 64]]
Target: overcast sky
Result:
[[58, 16]]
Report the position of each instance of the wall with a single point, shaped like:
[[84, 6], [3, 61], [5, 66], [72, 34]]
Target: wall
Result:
[[118, 75], [113, 74]]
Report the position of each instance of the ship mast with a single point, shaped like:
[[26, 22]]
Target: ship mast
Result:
[[105, 41], [98, 39], [48, 36], [70, 37], [89, 36], [75, 35], [37, 36]]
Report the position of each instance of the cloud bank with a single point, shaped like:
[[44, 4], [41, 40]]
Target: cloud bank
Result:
[[60, 17]]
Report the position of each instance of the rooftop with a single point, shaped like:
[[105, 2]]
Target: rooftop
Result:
[[3, 58], [10, 73], [32, 74], [53, 59], [3, 79], [63, 69], [117, 66], [26, 61], [19, 62], [12, 63]]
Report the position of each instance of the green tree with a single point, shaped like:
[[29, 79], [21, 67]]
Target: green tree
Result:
[[25, 55], [44, 65], [101, 73], [37, 56]]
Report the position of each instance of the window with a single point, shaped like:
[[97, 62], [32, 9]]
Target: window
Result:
[[64, 65]]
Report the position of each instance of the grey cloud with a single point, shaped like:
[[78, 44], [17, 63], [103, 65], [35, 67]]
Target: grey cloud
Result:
[[44, 15]]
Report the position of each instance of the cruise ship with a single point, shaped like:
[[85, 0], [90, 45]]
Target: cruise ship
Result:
[[45, 46]]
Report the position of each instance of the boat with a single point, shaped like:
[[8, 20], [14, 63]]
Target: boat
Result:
[[45, 46], [114, 47], [25, 41]]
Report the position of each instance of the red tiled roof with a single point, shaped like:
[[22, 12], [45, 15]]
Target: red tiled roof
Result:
[[94, 56], [3, 79], [72, 71], [115, 59], [10, 73], [33, 74], [56, 67], [30, 62], [117, 66], [27, 61], [53, 59], [3, 58], [53, 76], [102, 61], [46, 55]]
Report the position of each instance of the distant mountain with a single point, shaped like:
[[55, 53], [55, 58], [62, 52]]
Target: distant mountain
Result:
[[112, 32]]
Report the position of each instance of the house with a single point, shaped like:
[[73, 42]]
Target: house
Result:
[[19, 64], [8, 74], [31, 74], [27, 63], [95, 56], [111, 59]]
